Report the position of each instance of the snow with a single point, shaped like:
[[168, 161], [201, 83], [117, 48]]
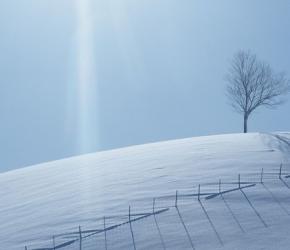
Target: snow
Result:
[[52, 198]]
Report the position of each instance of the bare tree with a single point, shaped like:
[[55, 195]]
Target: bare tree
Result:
[[252, 83]]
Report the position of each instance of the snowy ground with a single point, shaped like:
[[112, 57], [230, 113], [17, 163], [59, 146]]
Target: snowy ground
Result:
[[54, 198]]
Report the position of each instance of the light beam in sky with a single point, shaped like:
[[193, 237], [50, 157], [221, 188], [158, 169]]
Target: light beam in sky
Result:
[[87, 92]]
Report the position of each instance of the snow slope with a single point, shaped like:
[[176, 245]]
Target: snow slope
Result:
[[56, 197]]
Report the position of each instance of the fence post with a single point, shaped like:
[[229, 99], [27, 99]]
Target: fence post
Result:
[[80, 235], [53, 242], [198, 194], [280, 171], [176, 198], [220, 184], [131, 229], [105, 231], [239, 179], [153, 209], [262, 173]]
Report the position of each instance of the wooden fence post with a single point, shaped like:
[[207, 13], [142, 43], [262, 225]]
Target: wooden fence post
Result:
[[80, 235], [262, 173], [53, 242], [198, 194], [105, 231], [176, 198]]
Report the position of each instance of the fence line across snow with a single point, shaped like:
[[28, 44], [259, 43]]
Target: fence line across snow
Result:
[[259, 178]]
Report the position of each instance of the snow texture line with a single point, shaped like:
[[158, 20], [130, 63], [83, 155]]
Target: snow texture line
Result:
[[131, 229], [284, 182], [157, 227], [232, 213], [159, 233], [133, 238], [211, 223], [282, 139], [276, 199], [185, 228], [254, 209]]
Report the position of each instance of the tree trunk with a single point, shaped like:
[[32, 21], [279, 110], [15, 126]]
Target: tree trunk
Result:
[[245, 123]]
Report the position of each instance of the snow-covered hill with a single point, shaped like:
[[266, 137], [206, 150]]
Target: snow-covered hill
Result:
[[56, 197]]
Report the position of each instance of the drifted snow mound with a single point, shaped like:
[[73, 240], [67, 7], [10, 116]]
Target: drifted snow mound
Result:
[[56, 197]]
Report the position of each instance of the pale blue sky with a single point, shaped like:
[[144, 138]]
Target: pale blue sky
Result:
[[159, 72]]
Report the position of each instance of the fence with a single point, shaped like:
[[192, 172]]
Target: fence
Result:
[[79, 239]]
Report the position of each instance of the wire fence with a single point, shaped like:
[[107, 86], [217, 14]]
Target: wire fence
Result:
[[117, 228]]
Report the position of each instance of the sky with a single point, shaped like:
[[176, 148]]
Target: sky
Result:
[[91, 75]]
